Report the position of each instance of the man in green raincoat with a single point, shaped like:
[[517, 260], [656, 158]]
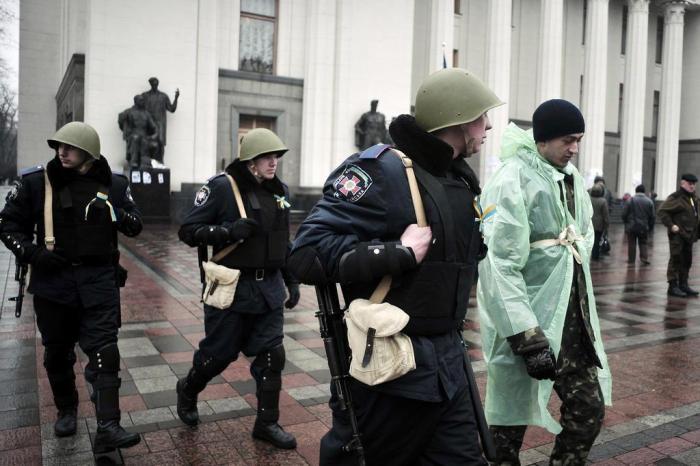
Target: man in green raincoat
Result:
[[539, 324]]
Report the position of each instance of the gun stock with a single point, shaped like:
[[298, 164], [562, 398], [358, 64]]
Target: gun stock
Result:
[[20, 277], [334, 335]]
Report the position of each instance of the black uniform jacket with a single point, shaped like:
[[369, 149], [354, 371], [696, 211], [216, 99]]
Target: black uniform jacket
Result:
[[368, 198], [267, 249], [23, 218]]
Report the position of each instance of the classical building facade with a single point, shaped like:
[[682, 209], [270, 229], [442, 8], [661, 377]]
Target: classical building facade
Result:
[[309, 68]]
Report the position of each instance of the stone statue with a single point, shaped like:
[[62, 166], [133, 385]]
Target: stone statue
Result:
[[140, 133], [370, 129], [157, 103]]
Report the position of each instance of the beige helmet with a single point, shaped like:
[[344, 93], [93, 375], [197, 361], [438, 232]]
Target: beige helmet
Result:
[[452, 96], [260, 141], [77, 134]]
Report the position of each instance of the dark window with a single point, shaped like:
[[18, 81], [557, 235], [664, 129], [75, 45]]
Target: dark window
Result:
[[619, 108], [455, 58], [585, 20], [625, 13], [257, 36], [458, 7], [655, 115], [659, 38], [580, 90]]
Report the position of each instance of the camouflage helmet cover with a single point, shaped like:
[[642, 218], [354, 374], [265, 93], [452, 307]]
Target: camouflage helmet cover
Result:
[[77, 134], [452, 96], [260, 141]]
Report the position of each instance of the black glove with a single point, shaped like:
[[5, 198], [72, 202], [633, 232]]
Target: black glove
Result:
[[541, 364], [46, 260], [212, 234], [242, 228], [294, 295]]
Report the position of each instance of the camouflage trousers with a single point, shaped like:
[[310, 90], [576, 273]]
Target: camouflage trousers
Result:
[[576, 384]]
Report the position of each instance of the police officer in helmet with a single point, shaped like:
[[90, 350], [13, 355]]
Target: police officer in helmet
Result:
[[74, 278], [365, 228], [253, 322]]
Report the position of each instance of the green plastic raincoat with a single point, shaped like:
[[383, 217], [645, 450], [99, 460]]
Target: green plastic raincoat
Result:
[[524, 285]]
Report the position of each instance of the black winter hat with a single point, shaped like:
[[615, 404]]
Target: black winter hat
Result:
[[689, 177], [555, 118]]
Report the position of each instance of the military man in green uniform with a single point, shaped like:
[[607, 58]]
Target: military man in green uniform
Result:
[[539, 325], [679, 213]]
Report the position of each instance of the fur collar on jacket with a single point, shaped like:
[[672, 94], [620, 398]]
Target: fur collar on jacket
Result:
[[431, 153], [61, 177], [247, 182]]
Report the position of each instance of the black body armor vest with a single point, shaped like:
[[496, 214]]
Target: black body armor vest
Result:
[[267, 248], [78, 238], [436, 294]]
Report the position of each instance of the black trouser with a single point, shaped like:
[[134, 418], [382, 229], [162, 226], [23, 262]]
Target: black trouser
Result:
[[227, 334], [595, 253], [632, 240], [402, 431], [680, 260], [61, 326]]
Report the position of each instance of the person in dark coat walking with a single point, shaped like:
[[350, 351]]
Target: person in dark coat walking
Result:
[[679, 213], [365, 228], [253, 322], [601, 217], [74, 272], [639, 217]]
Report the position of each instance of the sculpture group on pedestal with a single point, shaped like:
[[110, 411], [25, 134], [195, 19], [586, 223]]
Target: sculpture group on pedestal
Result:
[[144, 126]]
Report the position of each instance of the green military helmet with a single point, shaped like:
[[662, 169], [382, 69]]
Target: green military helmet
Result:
[[452, 96], [77, 134], [260, 141]]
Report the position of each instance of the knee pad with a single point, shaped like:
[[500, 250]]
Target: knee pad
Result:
[[105, 360], [272, 359], [59, 358]]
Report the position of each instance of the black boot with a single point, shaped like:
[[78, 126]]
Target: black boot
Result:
[[674, 290], [273, 433], [686, 289], [186, 405], [67, 422], [110, 436], [58, 361], [267, 369]]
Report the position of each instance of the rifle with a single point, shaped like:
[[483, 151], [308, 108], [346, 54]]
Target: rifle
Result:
[[21, 277], [334, 335], [487, 444]]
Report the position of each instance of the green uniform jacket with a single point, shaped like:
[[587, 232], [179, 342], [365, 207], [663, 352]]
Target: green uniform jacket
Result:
[[677, 209], [522, 285]]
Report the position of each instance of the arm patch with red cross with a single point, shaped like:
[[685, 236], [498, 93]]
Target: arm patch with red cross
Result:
[[352, 184]]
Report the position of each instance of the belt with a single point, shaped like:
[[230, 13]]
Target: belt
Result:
[[257, 274]]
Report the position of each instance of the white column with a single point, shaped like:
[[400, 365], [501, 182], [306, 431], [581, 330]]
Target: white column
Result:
[[595, 73], [633, 99], [318, 113], [550, 50], [441, 32], [670, 105], [498, 40], [206, 93]]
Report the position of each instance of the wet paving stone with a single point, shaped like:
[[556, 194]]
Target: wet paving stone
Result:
[[653, 344]]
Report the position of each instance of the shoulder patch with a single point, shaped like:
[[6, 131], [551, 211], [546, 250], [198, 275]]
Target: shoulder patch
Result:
[[30, 170], [128, 194], [374, 151], [352, 184], [202, 195], [14, 191]]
